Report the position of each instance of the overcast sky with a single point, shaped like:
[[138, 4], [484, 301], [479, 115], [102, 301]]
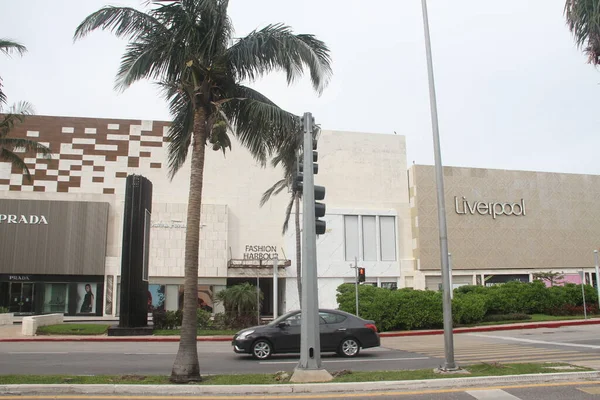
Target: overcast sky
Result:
[[513, 91]]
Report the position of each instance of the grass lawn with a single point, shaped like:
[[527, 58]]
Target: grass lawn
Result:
[[261, 379], [73, 329], [200, 332]]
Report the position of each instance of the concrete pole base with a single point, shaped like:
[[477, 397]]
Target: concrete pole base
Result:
[[310, 375]]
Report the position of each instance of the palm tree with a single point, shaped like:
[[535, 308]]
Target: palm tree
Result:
[[287, 158], [188, 46], [16, 114], [583, 19], [7, 47]]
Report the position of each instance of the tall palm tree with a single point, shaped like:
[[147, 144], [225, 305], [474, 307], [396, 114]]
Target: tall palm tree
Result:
[[286, 156], [8, 145], [7, 47], [188, 46], [583, 19]]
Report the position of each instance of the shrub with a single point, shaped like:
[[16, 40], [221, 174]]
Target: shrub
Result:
[[166, 319], [3, 310], [204, 319], [468, 308], [569, 309]]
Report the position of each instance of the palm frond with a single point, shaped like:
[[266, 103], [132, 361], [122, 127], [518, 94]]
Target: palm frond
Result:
[[275, 47], [259, 124], [15, 115], [8, 46], [180, 132], [15, 160], [583, 20], [27, 145], [123, 22], [273, 190]]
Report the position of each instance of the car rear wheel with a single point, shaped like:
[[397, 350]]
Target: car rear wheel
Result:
[[261, 349], [349, 347]]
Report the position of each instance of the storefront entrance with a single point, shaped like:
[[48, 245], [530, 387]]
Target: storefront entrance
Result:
[[21, 298]]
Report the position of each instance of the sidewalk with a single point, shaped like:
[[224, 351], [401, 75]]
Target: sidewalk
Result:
[[12, 333]]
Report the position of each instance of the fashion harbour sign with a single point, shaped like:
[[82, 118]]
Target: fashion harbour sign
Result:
[[23, 219], [463, 206]]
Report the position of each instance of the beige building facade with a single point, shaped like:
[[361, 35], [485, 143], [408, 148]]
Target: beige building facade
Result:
[[504, 225]]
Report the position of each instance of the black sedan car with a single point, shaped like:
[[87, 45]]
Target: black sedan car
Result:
[[341, 332]]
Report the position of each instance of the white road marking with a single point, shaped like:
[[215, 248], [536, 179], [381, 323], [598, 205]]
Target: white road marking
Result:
[[341, 361], [495, 394], [149, 354], [37, 352], [587, 346]]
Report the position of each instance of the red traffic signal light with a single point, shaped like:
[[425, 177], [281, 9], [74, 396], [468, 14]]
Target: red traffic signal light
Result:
[[361, 274]]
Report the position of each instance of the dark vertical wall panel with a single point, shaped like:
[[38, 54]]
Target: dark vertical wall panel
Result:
[[72, 242]]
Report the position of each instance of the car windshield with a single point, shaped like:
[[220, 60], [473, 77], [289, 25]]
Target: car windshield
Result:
[[282, 318]]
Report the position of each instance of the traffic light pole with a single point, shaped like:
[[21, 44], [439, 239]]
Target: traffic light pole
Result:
[[309, 368], [356, 283]]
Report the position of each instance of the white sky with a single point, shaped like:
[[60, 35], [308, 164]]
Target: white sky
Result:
[[513, 91]]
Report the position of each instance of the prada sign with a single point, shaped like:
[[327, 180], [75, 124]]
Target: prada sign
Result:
[[23, 219], [463, 206]]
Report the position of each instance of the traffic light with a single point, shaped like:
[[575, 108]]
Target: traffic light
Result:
[[361, 274], [319, 191]]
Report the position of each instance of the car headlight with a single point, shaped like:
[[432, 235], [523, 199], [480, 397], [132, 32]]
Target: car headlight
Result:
[[244, 334]]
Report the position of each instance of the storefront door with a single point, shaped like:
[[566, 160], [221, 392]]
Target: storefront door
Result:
[[21, 298]]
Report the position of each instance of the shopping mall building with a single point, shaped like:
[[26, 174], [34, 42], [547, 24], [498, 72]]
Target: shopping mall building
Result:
[[61, 234]]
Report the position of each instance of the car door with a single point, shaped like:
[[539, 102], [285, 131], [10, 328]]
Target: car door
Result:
[[289, 334], [332, 330]]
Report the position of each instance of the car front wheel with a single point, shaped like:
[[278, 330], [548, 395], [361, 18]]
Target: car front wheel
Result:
[[349, 348], [261, 349]]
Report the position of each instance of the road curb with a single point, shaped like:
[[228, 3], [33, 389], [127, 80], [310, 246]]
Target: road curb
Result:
[[243, 390], [531, 325]]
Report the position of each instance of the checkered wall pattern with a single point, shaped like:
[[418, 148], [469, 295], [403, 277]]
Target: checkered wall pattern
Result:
[[89, 155]]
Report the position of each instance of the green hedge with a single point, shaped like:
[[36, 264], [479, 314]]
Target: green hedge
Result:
[[407, 309]]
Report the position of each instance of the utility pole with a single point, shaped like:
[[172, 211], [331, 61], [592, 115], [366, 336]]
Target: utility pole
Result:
[[597, 276], [309, 368], [355, 282], [450, 275], [449, 364], [275, 289]]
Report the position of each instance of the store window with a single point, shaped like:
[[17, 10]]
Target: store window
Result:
[[351, 236], [369, 236], [377, 244], [56, 297], [86, 298], [156, 298]]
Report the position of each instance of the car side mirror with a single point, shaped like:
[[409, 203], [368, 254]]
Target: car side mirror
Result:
[[283, 325]]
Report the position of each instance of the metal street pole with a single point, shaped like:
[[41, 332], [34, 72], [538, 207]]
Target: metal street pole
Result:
[[257, 296], [597, 276], [582, 274], [450, 275], [449, 363], [310, 341], [275, 289], [356, 283]]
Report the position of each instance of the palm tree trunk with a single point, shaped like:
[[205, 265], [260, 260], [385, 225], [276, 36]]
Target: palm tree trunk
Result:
[[186, 367], [298, 250]]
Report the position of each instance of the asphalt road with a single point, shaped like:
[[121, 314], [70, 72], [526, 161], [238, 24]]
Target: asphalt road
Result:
[[558, 391], [579, 344]]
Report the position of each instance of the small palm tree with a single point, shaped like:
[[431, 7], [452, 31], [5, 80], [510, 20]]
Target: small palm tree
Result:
[[188, 46], [583, 19], [287, 158], [240, 300]]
